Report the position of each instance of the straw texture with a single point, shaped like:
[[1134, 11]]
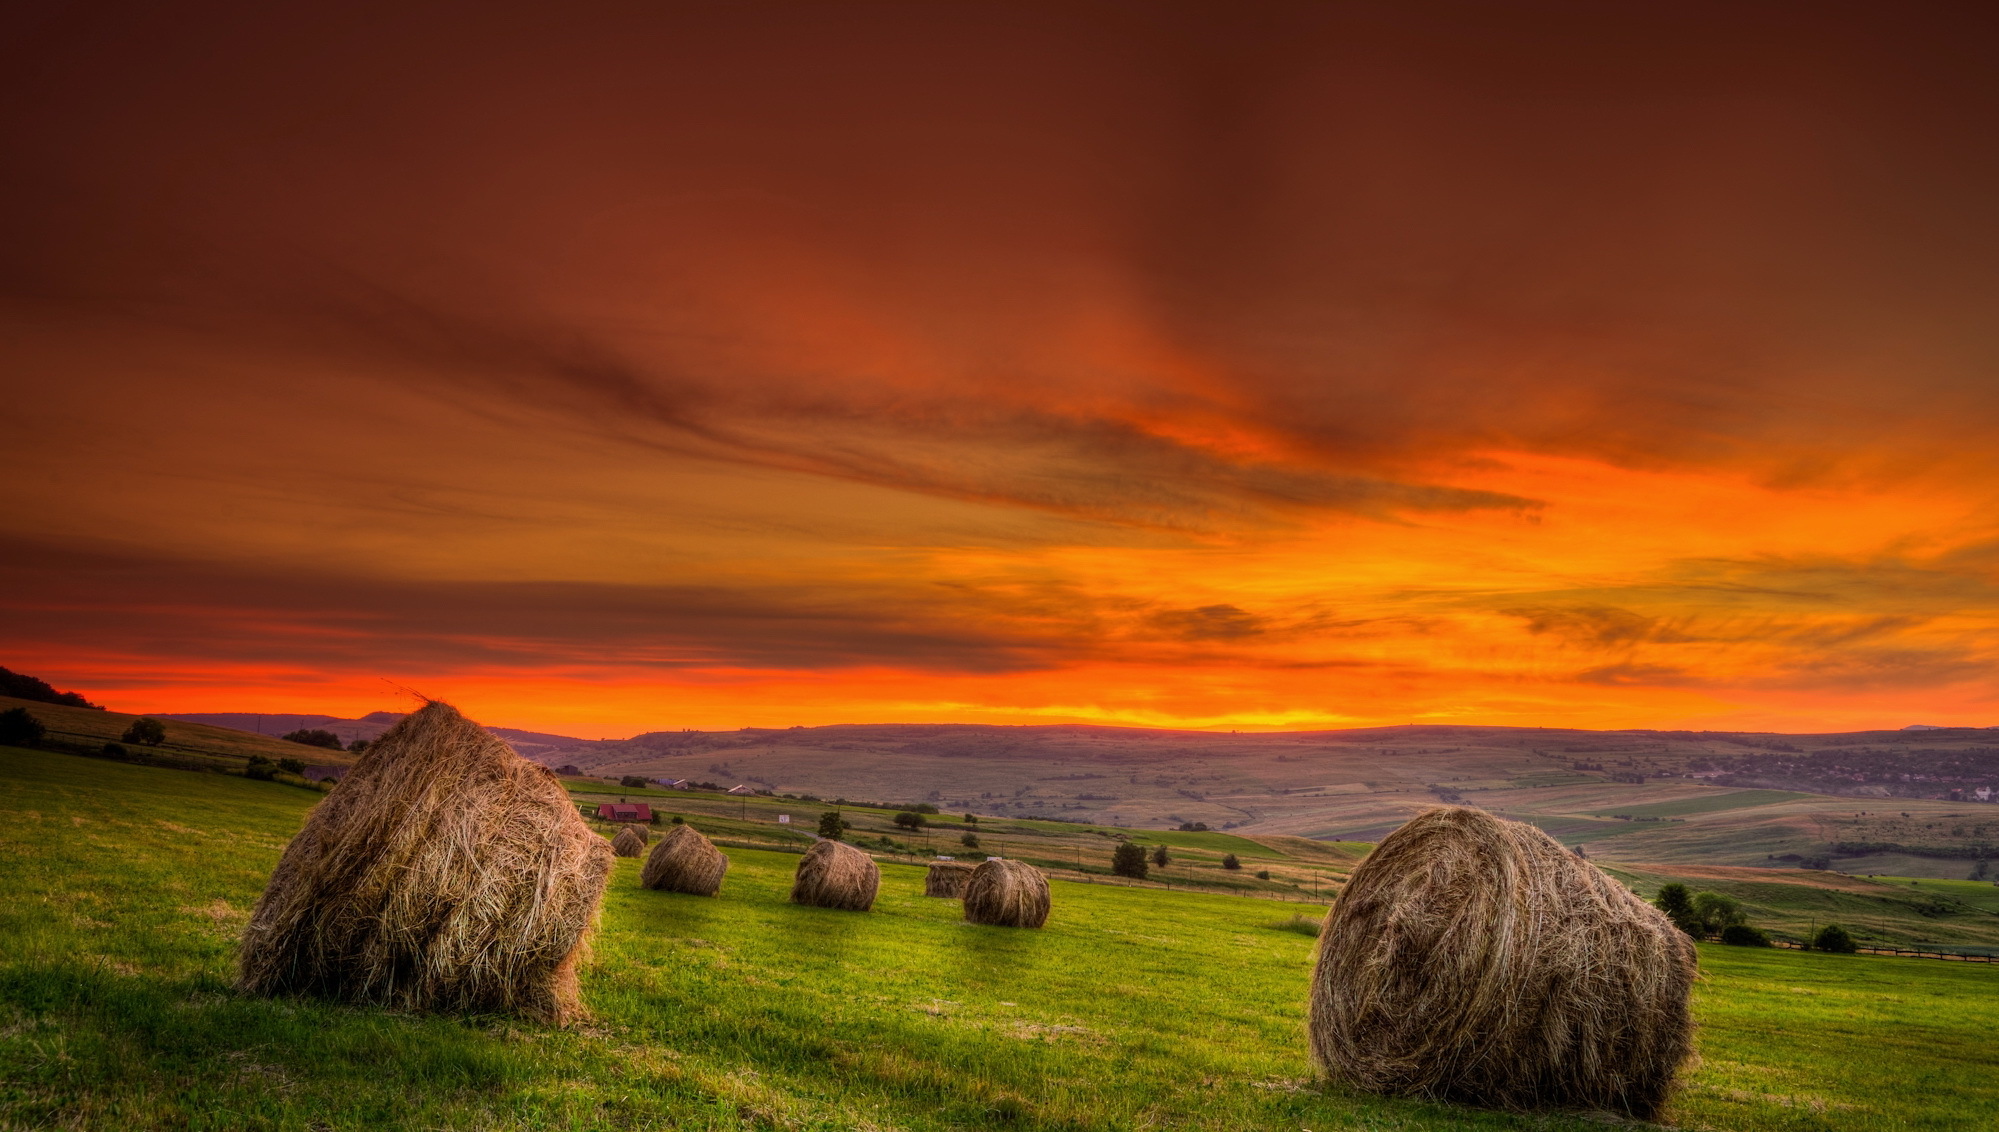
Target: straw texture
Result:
[[1007, 894], [685, 861], [946, 879], [1476, 960], [834, 874], [444, 872]]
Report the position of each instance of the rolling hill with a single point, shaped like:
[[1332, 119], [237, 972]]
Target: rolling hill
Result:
[[1859, 802]]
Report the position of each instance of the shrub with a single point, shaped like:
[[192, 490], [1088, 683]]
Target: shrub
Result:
[[313, 737], [1834, 938], [678, 820], [632, 781], [1742, 935], [113, 751], [909, 819], [1193, 827], [149, 731], [971, 819], [1160, 857], [291, 766], [261, 769], [832, 826], [359, 745], [969, 841], [1263, 874], [1230, 863], [923, 808], [19, 729], [1128, 861]]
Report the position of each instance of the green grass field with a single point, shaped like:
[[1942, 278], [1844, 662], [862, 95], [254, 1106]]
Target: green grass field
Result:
[[122, 889]]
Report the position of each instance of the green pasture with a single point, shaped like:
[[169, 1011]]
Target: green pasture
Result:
[[122, 890], [1877, 912], [1706, 803], [1980, 894]]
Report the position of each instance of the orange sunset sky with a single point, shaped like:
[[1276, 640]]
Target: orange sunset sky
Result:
[[614, 367]]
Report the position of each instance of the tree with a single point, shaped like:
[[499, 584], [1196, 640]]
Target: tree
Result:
[[359, 745], [1834, 938], [632, 781], [971, 819], [1263, 874], [313, 737], [1230, 863], [1742, 935], [291, 766], [1160, 857], [1677, 902], [1128, 861], [969, 841], [832, 826], [909, 819], [260, 768], [149, 731], [19, 729], [1712, 912]]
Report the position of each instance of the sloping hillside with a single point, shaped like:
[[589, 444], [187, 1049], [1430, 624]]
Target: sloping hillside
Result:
[[84, 729]]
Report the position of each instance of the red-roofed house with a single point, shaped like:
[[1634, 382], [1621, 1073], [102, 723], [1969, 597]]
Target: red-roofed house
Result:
[[625, 811]]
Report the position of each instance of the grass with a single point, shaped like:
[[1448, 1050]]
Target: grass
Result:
[[1715, 802], [1876, 911], [122, 889]]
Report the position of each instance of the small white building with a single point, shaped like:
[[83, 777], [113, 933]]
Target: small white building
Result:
[[741, 790]]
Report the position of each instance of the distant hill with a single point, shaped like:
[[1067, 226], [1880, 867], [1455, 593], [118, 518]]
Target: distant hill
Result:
[[531, 744], [1905, 802], [84, 730], [21, 686]]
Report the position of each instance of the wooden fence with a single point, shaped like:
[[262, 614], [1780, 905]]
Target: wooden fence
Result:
[[1905, 952]]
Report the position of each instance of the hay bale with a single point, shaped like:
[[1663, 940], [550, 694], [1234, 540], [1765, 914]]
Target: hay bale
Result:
[[684, 861], [946, 878], [1475, 960], [1007, 894], [630, 842], [444, 872], [834, 874]]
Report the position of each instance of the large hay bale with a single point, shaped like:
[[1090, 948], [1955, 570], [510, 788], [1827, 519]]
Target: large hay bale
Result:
[[630, 842], [444, 872], [946, 878], [685, 861], [834, 874], [1007, 894], [1475, 960]]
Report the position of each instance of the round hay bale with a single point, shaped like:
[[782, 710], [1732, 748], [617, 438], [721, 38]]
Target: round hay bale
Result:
[[685, 861], [1475, 960], [946, 878], [629, 842], [1007, 894], [834, 874], [444, 872]]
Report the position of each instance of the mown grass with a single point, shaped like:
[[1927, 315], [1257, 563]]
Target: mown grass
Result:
[[122, 889]]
